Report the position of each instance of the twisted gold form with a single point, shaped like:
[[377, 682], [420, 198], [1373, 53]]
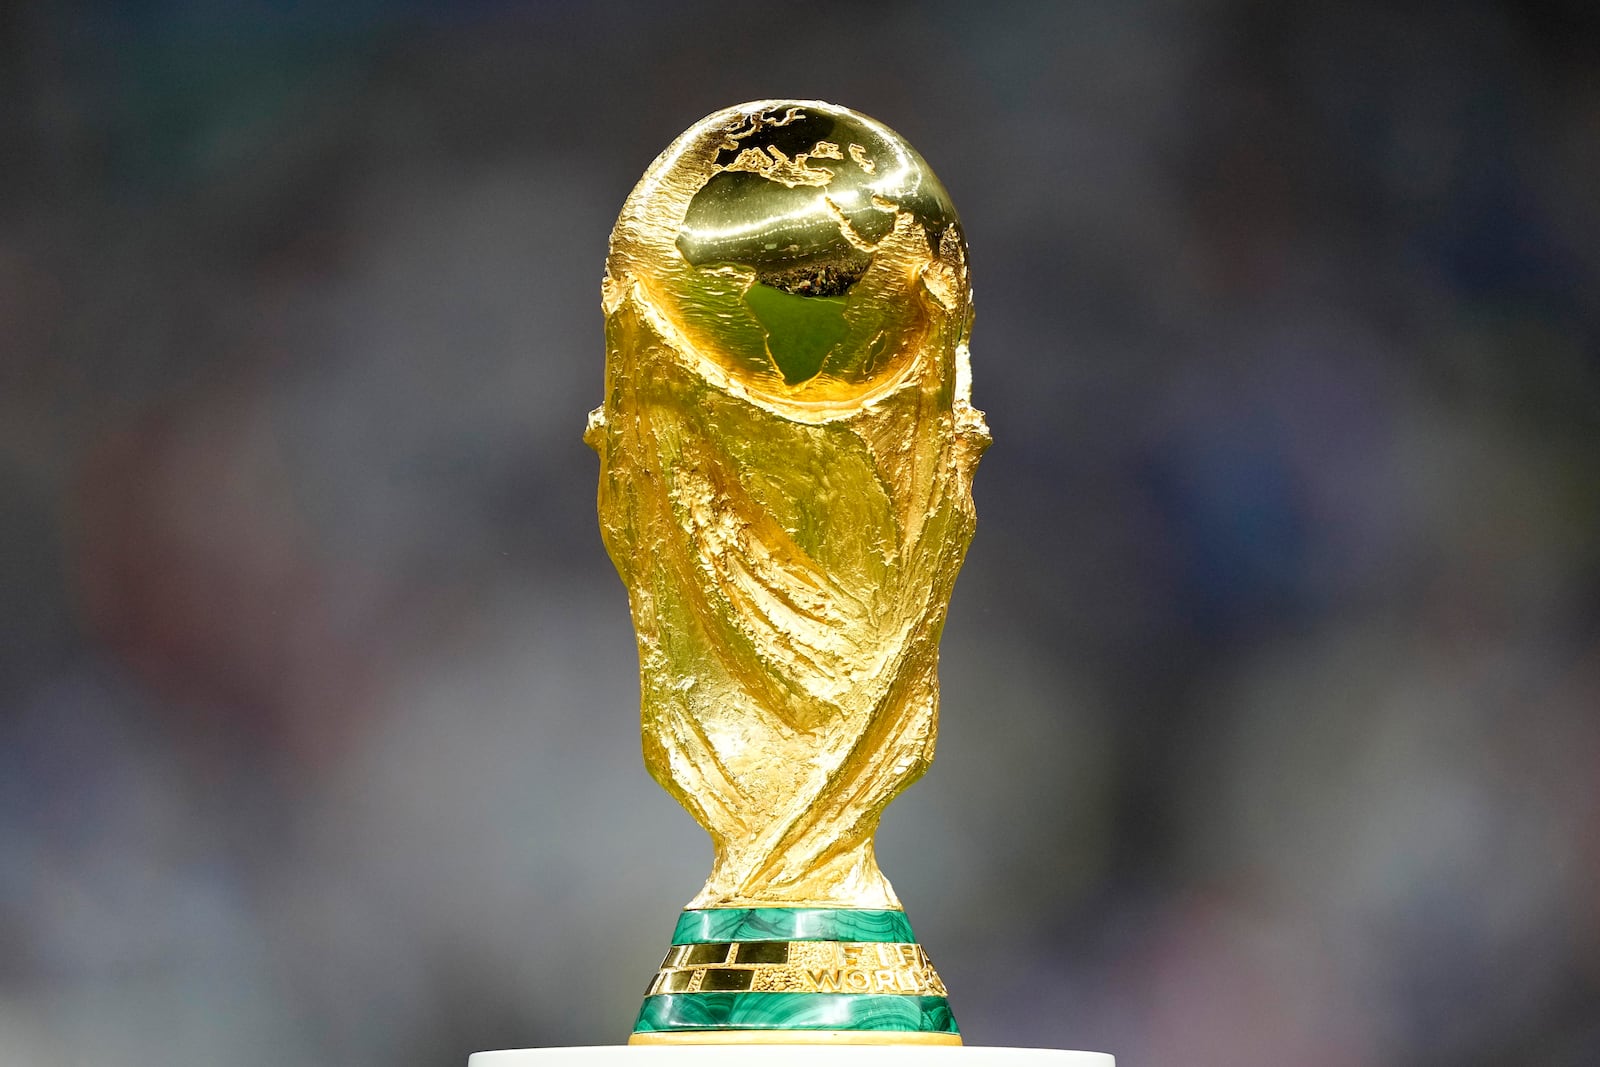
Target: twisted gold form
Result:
[[787, 446]]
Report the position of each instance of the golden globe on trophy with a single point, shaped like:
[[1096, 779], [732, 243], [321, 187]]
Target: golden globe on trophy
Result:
[[787, 445]]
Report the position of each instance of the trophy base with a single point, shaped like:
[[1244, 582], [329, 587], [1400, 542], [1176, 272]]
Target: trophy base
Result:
[[794, 1037], [824, 976], [782, 1054]]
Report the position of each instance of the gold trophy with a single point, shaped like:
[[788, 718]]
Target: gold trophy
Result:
[[787, 445]]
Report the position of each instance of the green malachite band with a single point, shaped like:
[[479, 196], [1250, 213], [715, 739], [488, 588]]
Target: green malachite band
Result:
[[794, 1011], [791, 924], [724, 1005]]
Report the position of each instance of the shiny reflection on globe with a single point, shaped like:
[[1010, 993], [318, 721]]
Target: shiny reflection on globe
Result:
[[799, 251], [803, 197]]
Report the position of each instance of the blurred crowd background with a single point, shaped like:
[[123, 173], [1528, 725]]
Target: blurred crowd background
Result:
[[1271, 722]]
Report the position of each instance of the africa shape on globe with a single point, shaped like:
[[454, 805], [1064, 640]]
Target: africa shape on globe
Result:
[[803, 201]]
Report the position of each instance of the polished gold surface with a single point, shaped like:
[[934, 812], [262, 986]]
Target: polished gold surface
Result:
[[793, 1037], [798, 967], [787, 448]]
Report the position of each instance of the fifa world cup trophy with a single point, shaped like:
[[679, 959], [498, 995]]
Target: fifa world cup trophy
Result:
[[787, 447]]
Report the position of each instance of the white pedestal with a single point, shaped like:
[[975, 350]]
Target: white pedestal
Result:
[[789, 1056]]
